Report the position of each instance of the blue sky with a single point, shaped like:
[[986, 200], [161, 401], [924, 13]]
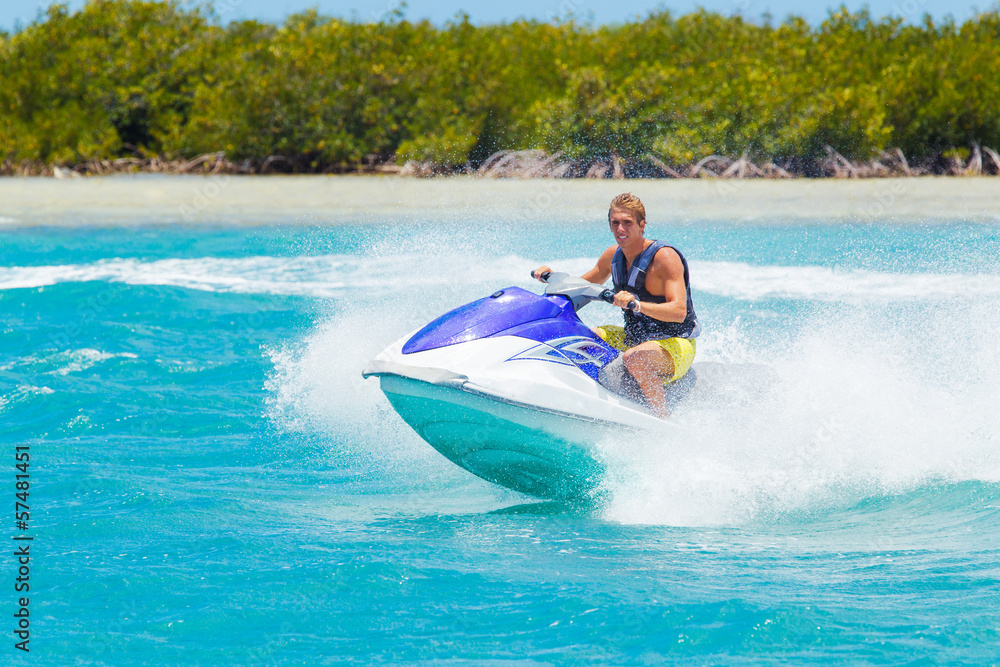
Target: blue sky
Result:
[[599, 11]]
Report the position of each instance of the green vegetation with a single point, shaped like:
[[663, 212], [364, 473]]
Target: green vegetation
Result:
[[147, 78]]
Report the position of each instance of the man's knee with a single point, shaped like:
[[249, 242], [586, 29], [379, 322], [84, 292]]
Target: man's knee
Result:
[[637, 358], [647, 358]]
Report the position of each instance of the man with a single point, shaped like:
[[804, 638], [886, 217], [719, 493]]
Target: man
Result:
[[658, 338]]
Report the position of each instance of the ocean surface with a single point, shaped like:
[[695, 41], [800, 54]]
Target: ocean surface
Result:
[[212, 481]]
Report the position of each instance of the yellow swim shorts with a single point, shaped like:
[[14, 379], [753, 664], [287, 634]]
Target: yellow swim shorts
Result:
[[681, 350]]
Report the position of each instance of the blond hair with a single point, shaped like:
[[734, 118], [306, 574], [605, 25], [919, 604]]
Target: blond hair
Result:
[[629, 202]]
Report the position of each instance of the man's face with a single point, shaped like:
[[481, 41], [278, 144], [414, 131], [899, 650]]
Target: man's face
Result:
[[624, 227]]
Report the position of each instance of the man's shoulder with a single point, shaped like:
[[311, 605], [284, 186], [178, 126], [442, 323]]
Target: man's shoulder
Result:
[[668, 260], [608, 254]]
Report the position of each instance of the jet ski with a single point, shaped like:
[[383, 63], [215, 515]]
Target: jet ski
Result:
[[515, 388]]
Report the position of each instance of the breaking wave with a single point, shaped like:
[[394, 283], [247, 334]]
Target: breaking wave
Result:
[[329, 276]]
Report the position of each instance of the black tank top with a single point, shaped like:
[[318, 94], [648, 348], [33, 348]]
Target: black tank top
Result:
[[638, 327]]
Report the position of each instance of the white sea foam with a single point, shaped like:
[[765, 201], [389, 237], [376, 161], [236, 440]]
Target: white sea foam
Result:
[[320, 276], [867, 404], [253, 275], [316, 386], [328, 276], [66, 361], [749, 282], [22, 394], [74, 361]]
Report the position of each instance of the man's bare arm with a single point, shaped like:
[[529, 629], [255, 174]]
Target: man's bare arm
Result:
[[602, 270]]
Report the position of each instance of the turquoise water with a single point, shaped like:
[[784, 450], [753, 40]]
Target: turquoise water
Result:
[[212, 482]]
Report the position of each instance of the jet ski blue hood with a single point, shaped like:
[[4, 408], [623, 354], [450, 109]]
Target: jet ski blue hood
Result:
[[509, 312]]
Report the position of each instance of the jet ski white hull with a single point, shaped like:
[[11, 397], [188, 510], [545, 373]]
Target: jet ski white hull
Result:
[[500, 410], [541, 454]]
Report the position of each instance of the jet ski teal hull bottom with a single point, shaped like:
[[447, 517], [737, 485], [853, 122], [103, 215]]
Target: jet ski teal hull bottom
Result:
[[543, 454]]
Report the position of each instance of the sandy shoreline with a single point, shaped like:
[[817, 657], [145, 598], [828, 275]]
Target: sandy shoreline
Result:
[[318, 199]]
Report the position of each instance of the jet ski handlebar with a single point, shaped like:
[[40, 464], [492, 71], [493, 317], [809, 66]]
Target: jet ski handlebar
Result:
[[543, 276], [609, 296], [577, 290]]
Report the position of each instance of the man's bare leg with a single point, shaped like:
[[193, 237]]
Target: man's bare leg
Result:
[[649, 364]]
